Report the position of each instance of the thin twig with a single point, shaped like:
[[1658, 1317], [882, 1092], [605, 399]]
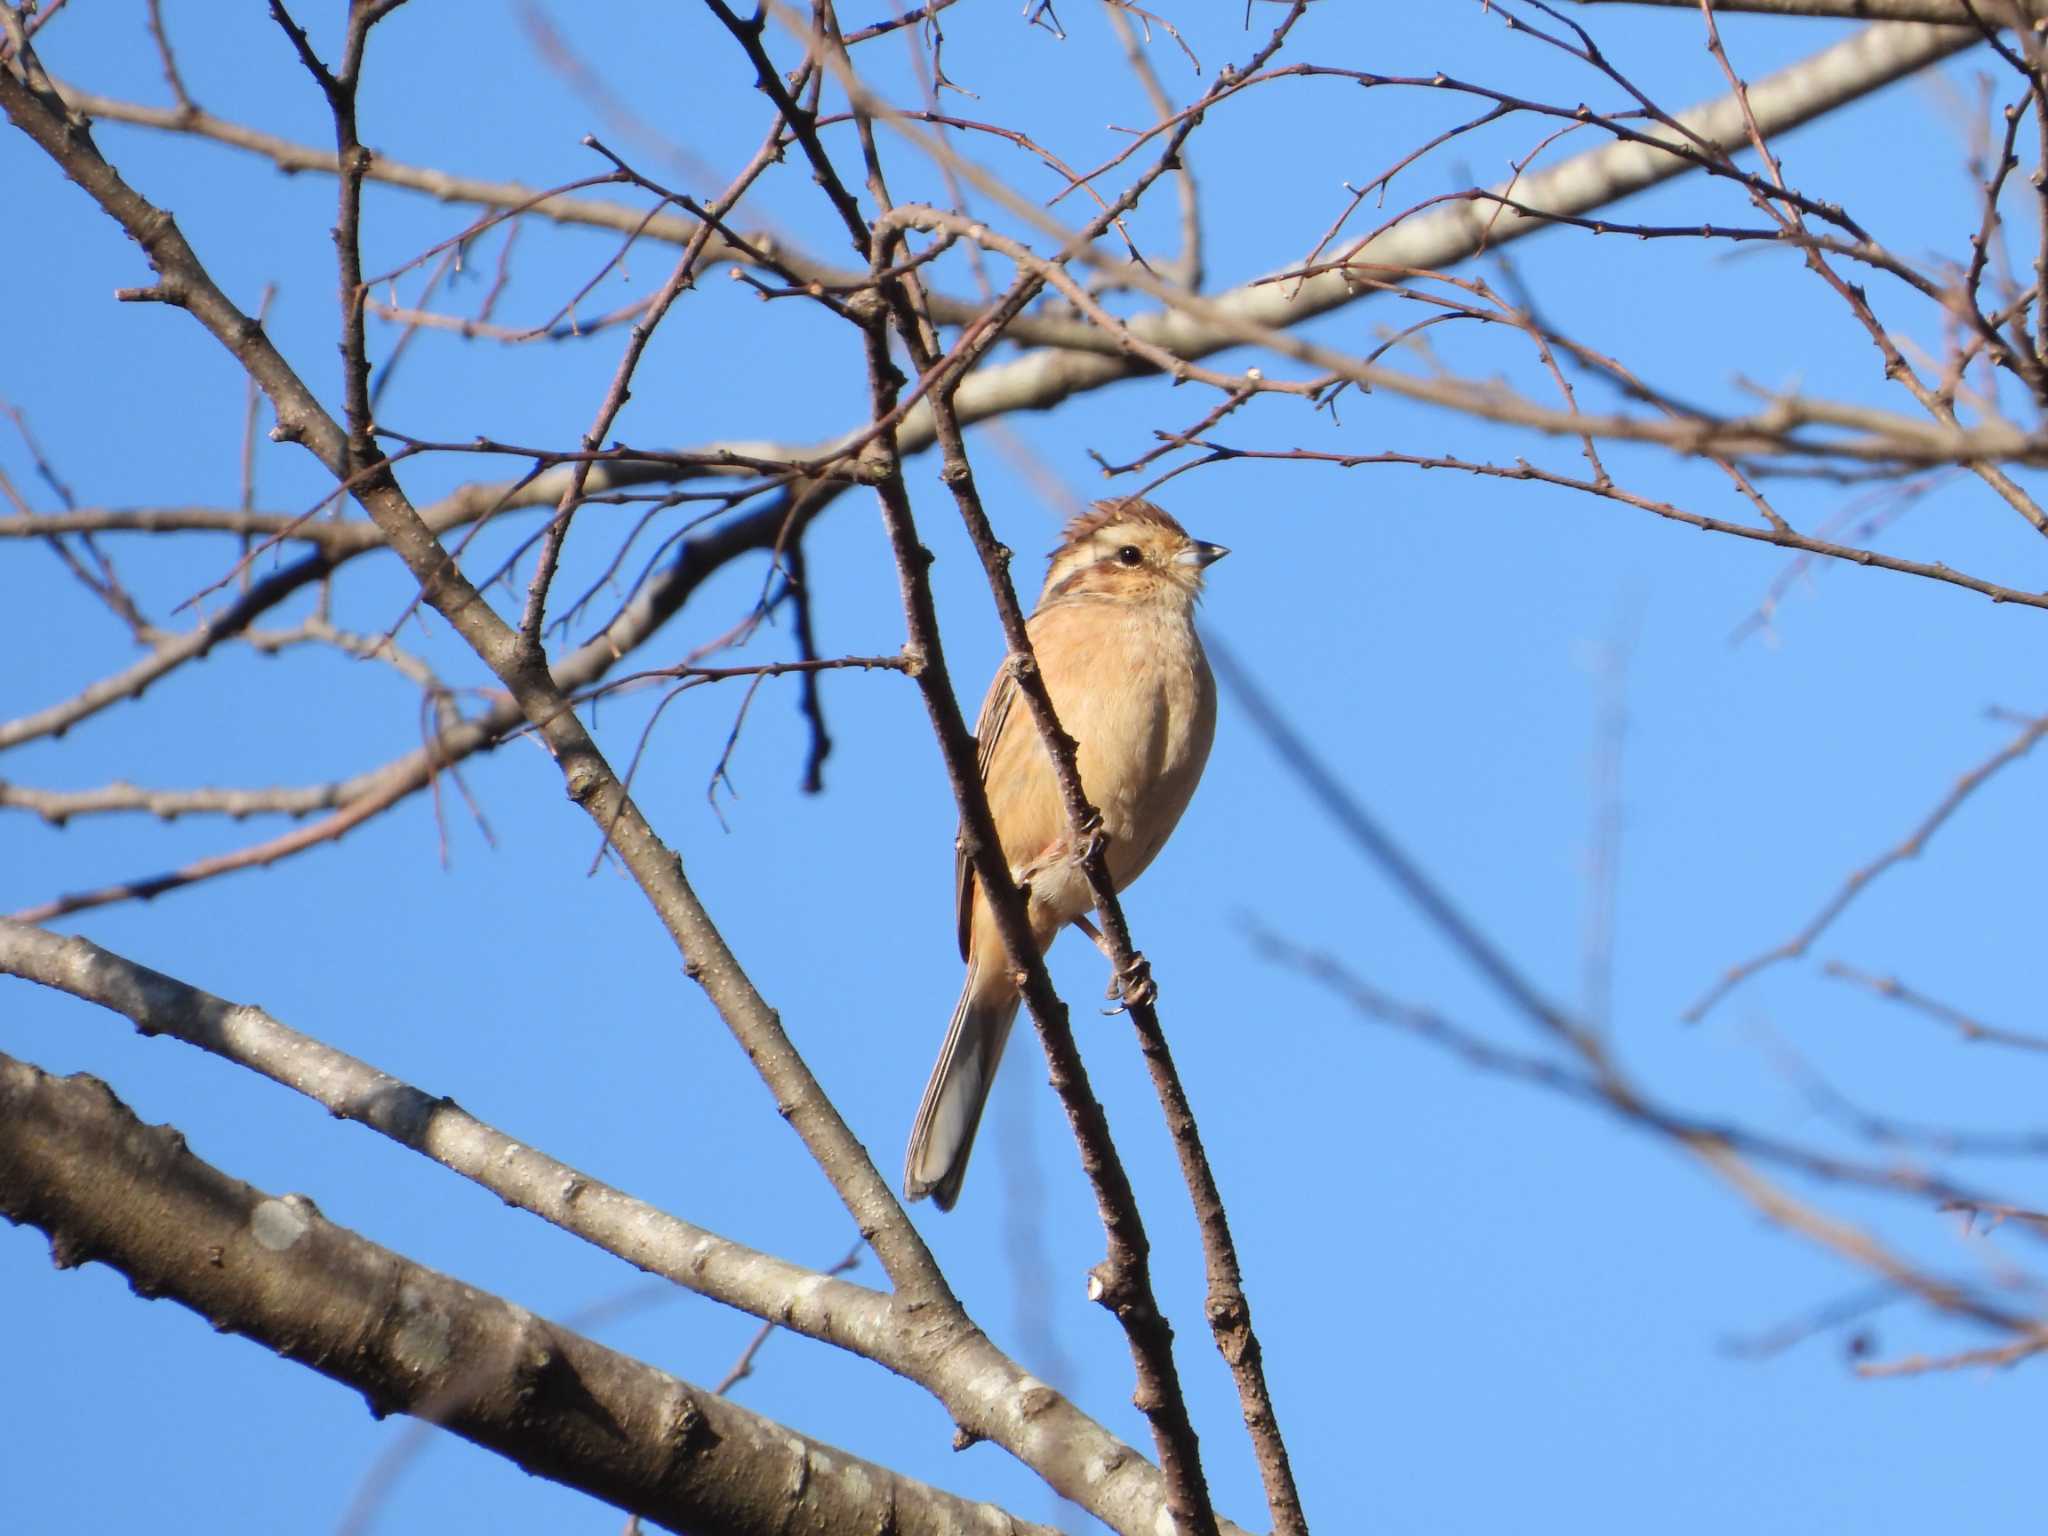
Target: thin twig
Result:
[[1916, 841], [1972, 1030]]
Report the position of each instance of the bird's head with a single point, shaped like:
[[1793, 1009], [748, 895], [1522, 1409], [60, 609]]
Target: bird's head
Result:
[[1128, 551]]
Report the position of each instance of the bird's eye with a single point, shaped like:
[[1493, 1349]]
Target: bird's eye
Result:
[[1130, 555]]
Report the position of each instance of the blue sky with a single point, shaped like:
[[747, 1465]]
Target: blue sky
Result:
[[1481, 1306]]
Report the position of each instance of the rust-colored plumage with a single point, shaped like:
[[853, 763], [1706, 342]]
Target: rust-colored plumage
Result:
[[1083, 526], [1115, 639]]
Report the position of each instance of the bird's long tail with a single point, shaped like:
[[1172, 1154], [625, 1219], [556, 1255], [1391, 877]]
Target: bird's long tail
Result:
[[943, 1133]]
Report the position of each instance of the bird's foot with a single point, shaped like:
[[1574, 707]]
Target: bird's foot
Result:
[[1092, 840], [1133, 986]]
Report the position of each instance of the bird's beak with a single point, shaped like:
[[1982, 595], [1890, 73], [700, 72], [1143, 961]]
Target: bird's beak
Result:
[[1201, 556]]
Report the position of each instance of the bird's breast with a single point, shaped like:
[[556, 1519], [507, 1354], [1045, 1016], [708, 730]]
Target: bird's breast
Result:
[[1132, 686]]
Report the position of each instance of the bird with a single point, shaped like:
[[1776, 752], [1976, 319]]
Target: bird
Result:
[[1114, 636]]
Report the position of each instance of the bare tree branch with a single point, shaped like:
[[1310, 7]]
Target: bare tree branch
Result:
[[1970, 1029], [986, 1392], [1911, 848], [1253, 313], [358, 798], [757, 1283], [1960, 13], [75, 1162]]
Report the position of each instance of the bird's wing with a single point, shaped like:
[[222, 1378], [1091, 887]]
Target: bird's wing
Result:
[[988, 729]]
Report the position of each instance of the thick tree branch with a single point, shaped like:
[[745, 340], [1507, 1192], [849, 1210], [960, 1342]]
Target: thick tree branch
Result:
[[990, 1396], [77, 1163]]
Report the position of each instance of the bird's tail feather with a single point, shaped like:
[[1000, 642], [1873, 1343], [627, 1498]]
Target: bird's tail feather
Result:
[[943, 1133]]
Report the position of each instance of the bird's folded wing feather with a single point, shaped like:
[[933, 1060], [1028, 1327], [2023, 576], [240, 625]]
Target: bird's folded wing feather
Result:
[[995, 710]]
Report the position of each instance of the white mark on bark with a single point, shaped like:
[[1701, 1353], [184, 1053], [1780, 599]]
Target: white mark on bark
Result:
[[276, 1225], [422, 1339]]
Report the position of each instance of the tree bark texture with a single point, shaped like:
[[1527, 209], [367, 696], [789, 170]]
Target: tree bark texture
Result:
[[77, 1163]]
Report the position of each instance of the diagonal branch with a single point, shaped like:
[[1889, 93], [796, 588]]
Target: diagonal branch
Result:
[[837, 1312], [987, 1392], [1915, 843], [1973, 1031], [77, 1163]]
